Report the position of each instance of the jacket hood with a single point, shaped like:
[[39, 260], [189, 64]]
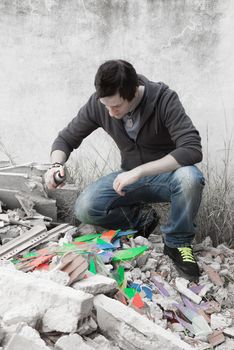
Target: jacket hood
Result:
[[154, 92]]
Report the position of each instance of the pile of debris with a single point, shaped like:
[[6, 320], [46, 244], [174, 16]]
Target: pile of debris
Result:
[[63, 287]]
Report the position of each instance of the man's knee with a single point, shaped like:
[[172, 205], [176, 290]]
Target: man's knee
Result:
[[90, 207], [188, 179], [82, 208]]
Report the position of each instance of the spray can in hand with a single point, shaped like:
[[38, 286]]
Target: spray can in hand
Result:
[[58, 178]]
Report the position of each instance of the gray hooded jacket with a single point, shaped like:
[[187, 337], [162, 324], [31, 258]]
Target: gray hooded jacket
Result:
[[165, 129]]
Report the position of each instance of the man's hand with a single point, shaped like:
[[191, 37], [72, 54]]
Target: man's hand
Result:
[[156, 167], [124, 179], [49, 177]]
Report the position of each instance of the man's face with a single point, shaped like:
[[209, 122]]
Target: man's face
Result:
[[116, 105]]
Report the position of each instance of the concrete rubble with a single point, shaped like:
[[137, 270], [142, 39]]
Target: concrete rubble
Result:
[[96, 284], [60, 300], [132, 331]]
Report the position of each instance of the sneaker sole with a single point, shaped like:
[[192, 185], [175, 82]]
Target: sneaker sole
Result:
[[191, 278]]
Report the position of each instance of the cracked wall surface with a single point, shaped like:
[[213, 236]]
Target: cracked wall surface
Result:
[[50, 51]]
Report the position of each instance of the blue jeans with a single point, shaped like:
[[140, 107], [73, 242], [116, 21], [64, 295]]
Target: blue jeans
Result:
[[99, 204]]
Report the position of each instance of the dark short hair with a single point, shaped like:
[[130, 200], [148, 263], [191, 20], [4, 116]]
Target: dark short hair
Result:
[[116, 76]]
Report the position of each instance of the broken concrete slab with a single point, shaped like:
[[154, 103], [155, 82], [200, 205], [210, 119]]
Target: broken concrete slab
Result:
[[219, 321], [99, 342], [72, 342], [26, 180], [22, 182], [96, 284], [181, 285], [216, 338], [86, 326], [65, 198], [57, 276], [227, 345], [18, 342], [52, 320], [131, 330], [31, 169], [44, 206], [28, 313], [46, 295], [229, 332], [213, 275]]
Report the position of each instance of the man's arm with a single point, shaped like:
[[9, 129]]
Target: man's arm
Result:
[[58, 156], [70, 138], [156, 167], [188, 149], [78, 129]]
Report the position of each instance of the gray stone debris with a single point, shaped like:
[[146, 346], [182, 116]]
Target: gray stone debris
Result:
[[151, 265], [18, 342], [99, 342], [228, 345], [132, 331], [28, 313], [29, 334], [86, 326], [135, 274], [139, 241], [52, 300], [57, 276], [229, 332], [52, 313], [219, 321], [96, 284], [72, 342]]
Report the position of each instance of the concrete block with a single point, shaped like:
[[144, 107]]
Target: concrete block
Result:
[[60, 320], [18, 342], [22, 182], [28, 180], [213, 275], [65, 198], [216, 338], [86, 326], [101, 343], [72, 342], [185, 291], [31, 169], [44, 206], [96, 284], [47, 296], [219, 321], [150, 265], [28, 313], [131, 330], [24, 330], [229, 332]]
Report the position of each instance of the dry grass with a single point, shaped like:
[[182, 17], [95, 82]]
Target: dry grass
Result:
[[4, 151], [216, 214]]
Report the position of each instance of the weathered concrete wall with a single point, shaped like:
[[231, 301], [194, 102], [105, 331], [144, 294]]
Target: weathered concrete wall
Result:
[[50, 50]]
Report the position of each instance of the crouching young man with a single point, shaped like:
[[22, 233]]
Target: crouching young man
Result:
[[159, 146]]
